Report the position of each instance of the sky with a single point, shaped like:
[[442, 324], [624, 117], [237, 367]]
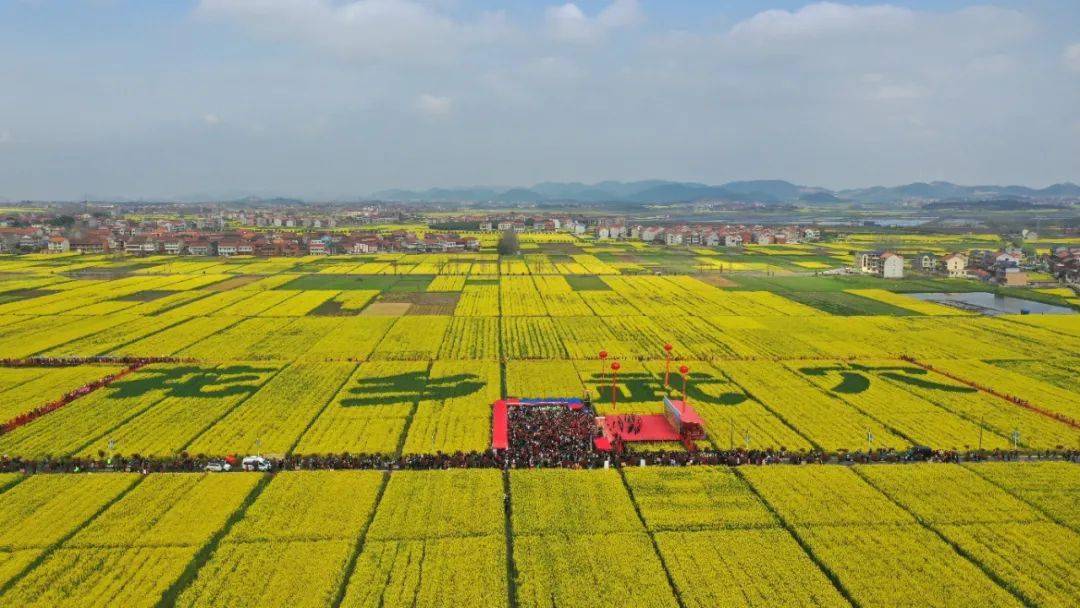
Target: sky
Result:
[[335, 99]]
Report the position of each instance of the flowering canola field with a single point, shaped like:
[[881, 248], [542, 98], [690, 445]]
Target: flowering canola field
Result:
[[813, 535], [402, 355], [275, 353]]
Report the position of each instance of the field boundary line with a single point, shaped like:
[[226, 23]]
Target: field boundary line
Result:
[[868, 415], [49, 550], [782, 419], [978, 422], [56, 404], [238, 321], [990, 574], [203, 295], [206, 552], [19, 478], [511, 563], [652, 539], [214, 422], [807, 549], [1017, 401], [125, 420], [892, 429], [1050, 516], [318, 414], [122, 345], [403, 438], [361, 542]]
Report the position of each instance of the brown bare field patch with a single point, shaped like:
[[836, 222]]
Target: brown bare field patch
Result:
[[559, 248], [233, 283], [421, 298], [431, 309], [716, 280], [148, 295], [386, 309]]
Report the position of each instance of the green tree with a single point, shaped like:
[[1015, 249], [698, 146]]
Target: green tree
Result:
[[508, 243]]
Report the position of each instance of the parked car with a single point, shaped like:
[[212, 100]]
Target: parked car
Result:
[[919, 453], [217, 466]]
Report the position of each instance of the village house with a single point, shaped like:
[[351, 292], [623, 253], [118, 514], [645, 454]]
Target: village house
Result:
[[885, 264], [650, 233], [1065, 264], [1011, 276], [926, 262], [59, 244], [955, 265], [141, 246], [201, 247], [228, 247], [318, 247], [174, 246]]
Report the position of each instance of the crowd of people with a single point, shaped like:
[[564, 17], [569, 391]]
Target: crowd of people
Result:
[[1024, 403], [532, 458], [66, 398], [73, 361], [552, 436], [626, 424], [131, 363]]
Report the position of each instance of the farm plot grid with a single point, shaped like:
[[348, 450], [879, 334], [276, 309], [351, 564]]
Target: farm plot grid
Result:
[[813, 535], [320, 356]]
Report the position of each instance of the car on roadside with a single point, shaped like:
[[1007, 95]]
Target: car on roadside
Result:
[[255, 463], [217, 466]]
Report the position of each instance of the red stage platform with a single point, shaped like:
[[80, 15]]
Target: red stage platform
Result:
[[654, 427]]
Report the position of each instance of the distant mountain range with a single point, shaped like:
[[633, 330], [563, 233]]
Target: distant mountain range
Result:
[[769, 191], [762, 191]]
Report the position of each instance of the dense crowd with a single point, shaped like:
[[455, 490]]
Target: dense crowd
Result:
[[533, 457], [552, 436], [73, 361]]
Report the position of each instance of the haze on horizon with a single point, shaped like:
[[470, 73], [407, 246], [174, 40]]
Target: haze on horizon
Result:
[[339, 98]]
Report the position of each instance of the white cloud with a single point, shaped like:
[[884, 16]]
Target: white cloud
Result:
[[362, 30], [433, 106], [569, 23], [621, 13], [870, 29], [6, 137], [828, 93], [1071, 57], [821, 20]]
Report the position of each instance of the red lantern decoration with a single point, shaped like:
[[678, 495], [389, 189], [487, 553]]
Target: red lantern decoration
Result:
[[603, 355]]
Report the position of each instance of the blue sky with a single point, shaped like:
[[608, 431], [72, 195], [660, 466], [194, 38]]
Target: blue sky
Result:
[[338, 98]]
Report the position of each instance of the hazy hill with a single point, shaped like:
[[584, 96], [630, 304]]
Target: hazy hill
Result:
[[761, 191]]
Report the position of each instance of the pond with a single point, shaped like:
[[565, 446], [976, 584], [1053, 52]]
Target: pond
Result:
[[992, 304]]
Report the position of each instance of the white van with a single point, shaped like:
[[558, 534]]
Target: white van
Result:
[[255, 463]]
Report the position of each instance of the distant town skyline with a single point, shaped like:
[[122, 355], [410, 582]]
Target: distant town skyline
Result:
[[328, 99]]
